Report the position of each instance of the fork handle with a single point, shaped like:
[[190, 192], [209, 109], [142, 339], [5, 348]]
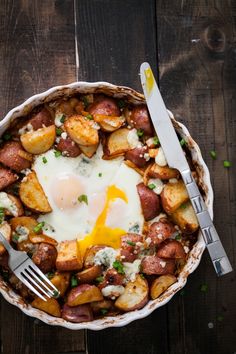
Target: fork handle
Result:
[[215, 248], [5, 243]]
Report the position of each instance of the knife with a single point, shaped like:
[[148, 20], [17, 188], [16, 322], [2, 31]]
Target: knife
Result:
[[176, 159]]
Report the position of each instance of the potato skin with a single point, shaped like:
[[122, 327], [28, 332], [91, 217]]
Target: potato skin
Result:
[[104, 106], [137, 156], [171, 249], [5, 229], [83, 294], [45, 257], [161, 284], [11, 156], [90, 274], [156, 265], [77, 314], [150, 202], [135, 295], [68, 257], [185, 218], [173, 195], [81, 130], [51, 306], [163, 172], [7, 177], [39, 141], [127, 250], [139, 119], [68, 147], [161, 230], [40, 119]]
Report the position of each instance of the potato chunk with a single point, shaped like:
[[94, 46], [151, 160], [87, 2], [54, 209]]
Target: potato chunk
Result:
[[173, 195], [88, 151], [117, 143], [61, 281], [163, 172], [68, 257], [81, 130], [109, 123], [39, 141], [84, 294], [161, 284], [135, 295], [51, 306], [185, 218], [5, 229], [32, 194]]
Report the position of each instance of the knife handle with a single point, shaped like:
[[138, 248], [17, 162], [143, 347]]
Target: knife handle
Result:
[[215, 248]]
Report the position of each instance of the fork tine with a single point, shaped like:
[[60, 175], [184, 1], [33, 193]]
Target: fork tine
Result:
[[35, 280], [25, 281], [39, 273], [35, 276]]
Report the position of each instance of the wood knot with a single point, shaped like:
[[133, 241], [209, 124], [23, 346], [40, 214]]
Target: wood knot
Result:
[[214, 38]]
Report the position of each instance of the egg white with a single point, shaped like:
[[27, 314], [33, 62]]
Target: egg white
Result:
[[94, 175]]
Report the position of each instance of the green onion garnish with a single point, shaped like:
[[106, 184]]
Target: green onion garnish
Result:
[[99, 279], [85, 101], [6, 136], [204, 288], [220, 318], [156, 140], [100, 174], [44, 159], [1, 215], [57, 153], [140, 133], [151, 186], [131, 243], [59, 131], [63, 118], [89, 117], [83, 198], [121, 103], [73, 281], [227, 164], [103, 311], [213, 154], [119, 267], [39, 227], [182, 142], [178, 237]]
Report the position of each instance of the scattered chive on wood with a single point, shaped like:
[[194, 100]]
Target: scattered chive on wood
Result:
[[227, 164], [151, 186], [83, 198], [220, 318], [204, 288], [39, 227], [213, 154]]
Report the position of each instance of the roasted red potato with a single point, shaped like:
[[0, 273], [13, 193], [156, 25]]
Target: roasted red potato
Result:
[[161, 284], [150, 202], [77, 314], [109, 123], [137, 156], [83, 294], [39, 141], [41, 119], [81, 130], [38, 238], [135, 296], [90, 254], [61, 281], [171, 249], [68, 147], [156, 265], [18, 207], [116, 144], [90, 274], [32, 194], [88, 151], [45, 257], [160, 230], [139, 119], [185, 218], [173, 195], [14, 156], [104, 106], [5, 230], [7, 177], [98, 306], [51, 306], [112, 277], [130, 246], [163, 172], [68, 257]]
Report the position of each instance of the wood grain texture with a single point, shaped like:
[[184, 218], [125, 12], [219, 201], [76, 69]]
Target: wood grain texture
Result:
[[36, 52], [196, 41]]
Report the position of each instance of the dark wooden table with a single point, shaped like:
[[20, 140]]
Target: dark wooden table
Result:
[[192, 48]]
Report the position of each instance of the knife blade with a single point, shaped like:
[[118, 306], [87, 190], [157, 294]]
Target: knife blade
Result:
[[175, 158]]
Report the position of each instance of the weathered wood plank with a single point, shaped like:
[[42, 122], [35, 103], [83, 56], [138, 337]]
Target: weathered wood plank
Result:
[[196, 42], [36, 52]]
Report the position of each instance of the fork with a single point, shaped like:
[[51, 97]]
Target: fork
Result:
[[28, 273]]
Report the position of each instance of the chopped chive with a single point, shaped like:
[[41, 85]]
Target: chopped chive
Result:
[[142, 275], [182, 142], [131, 243], [204, 288], [227, 163], [121, 103], [1, 214], [63, 118], [39, 227], [119, 267], [183, 206], [100, 174], [83, 198], [44, 159], [73, 281], [156, 140], [57, 153], [178, 237], [59, 131], [50, 275], [6, 136], [220, 318], [103, 311], [99, 279], [140, 133], [89, 117], [213, 154], [85, 101], [151, 186], [56, 294], [15, 237]]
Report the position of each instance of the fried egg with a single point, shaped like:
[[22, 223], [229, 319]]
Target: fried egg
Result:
[[93, 200]]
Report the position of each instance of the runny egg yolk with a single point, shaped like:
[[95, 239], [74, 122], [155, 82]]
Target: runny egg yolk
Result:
[[102, 234]]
